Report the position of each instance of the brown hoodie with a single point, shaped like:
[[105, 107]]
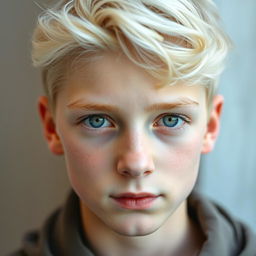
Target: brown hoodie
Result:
[[61, 235]]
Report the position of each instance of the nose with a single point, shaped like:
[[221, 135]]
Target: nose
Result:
[[135, 160]]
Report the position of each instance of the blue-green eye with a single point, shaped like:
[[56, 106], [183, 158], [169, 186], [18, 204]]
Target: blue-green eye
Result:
[[171, 121], [96, 121]]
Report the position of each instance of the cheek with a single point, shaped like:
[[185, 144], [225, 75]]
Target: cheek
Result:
[[86, 164], [188, 154], [88, 170], [182, 160]]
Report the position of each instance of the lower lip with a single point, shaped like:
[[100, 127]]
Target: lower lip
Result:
[[140, 203]]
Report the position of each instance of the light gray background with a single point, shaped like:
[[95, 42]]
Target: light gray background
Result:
[[33, 182], [228, 174]]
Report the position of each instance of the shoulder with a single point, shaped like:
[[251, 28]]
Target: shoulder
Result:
[[223, 232], [60, 227], [38, 241], [18, 253]]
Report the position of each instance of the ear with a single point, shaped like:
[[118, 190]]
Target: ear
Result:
[[213, 125], [49, 127]]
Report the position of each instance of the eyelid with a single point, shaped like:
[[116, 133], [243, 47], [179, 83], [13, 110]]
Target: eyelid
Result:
[[110, 120], [185, 118]]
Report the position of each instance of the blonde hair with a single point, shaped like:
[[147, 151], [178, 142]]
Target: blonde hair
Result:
[[174, 40]]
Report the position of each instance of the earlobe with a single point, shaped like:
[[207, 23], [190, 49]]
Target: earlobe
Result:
[[213, 125], [49, 127]]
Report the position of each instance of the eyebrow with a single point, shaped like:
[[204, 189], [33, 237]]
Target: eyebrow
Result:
[[181, 102], [92, 106]]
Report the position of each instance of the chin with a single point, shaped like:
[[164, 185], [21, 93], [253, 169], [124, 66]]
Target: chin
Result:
[[137, 228], [136, 232]]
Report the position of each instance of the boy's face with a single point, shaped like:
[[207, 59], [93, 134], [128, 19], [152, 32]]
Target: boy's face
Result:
[[122, 137]]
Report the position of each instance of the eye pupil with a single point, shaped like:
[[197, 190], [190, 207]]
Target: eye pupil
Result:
[[170, 121], [96, 121]]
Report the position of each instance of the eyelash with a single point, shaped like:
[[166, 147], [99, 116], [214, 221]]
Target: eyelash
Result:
[[106, 118], [184, 119]]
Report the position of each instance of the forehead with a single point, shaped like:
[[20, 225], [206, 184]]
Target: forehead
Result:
[[111, 77]]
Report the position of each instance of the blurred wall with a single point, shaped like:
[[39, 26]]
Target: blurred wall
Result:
[[229, 173], [33, 182]]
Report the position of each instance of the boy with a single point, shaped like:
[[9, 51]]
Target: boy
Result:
[[131, 103]]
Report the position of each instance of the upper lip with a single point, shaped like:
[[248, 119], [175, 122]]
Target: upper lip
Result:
[[134, 195]]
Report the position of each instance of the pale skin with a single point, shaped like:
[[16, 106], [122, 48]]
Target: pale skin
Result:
[[121, 133]]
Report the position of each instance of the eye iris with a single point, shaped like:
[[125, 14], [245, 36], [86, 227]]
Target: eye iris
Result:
[[170, 121], [96, 121]]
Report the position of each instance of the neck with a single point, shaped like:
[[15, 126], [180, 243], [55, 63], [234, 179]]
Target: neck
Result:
[[177, 236]]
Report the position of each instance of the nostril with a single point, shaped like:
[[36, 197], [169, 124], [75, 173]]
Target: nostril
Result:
[[147, 173], [135, 173], [135, 165], [125, 173]]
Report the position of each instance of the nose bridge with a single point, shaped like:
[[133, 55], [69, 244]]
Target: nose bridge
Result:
[[136, 142], [135, 158]]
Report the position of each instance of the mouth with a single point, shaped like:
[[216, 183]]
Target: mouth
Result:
[[135, 201]]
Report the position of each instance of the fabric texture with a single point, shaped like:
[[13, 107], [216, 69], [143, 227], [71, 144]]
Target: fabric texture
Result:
[[62, 234]]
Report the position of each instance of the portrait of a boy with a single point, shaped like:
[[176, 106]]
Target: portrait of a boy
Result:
[[131, 103]]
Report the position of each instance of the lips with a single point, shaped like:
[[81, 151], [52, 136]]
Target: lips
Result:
[[133, 201]]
